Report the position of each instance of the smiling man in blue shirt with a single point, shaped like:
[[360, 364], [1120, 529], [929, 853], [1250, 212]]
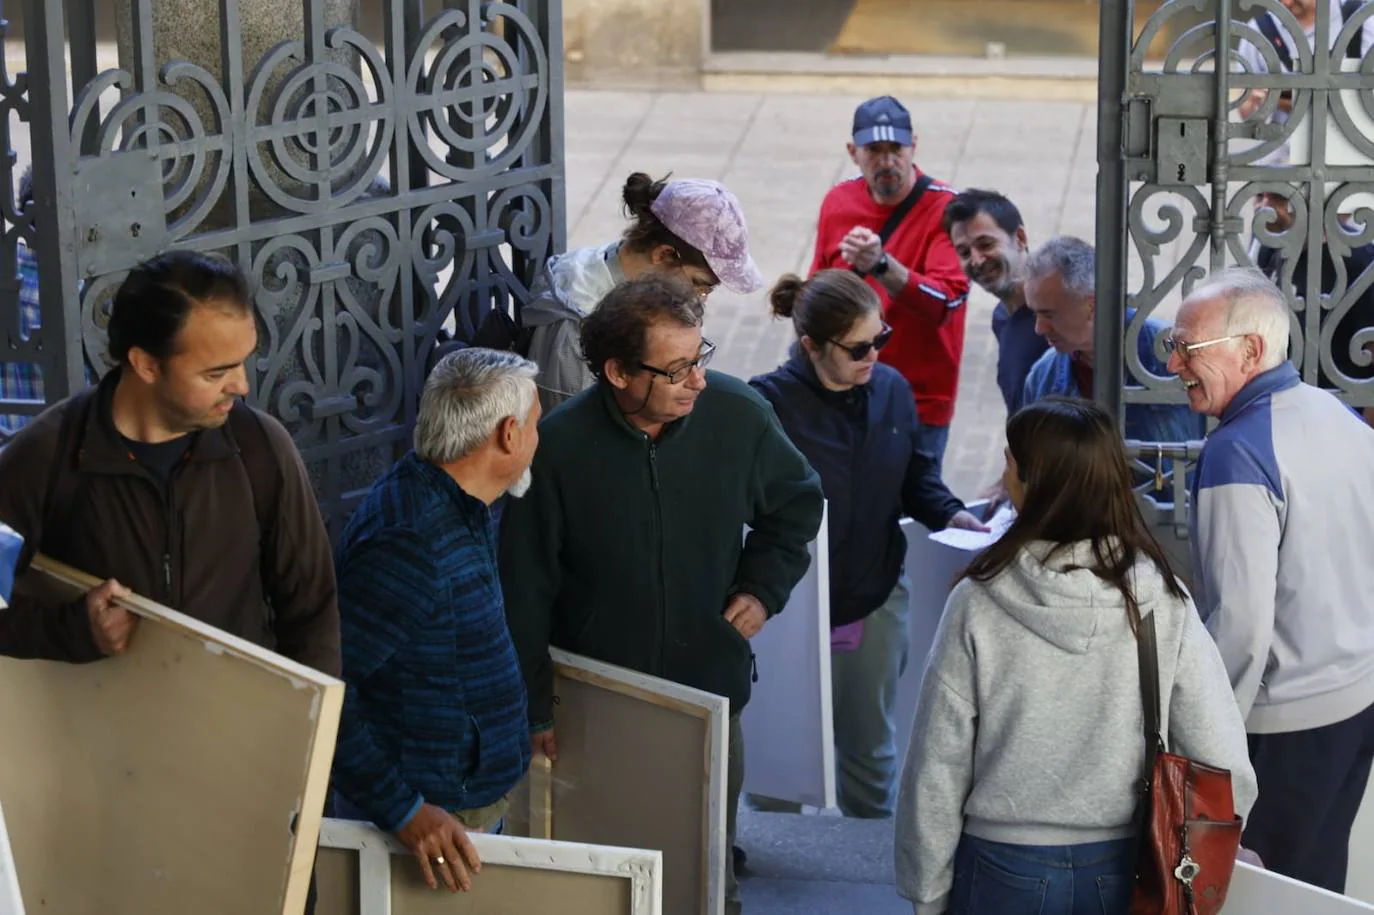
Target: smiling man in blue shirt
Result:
[[1060, 292], [434, 733], [989, 236]]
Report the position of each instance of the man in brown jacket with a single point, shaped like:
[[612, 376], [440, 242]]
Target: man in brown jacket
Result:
[[161, 480]]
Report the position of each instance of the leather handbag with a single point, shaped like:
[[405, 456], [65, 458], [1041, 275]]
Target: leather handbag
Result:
[[1189, 831]]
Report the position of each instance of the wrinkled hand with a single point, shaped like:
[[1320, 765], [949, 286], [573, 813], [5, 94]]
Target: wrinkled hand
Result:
[[861, 248], [966, 520], [438, 840], [745, 612], [544, 742], [111, 625]]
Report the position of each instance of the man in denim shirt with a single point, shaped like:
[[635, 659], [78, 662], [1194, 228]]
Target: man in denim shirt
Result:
[[434, 732], [1060, 291]]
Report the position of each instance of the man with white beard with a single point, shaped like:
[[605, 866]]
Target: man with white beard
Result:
[[427, 657], [989, 236]]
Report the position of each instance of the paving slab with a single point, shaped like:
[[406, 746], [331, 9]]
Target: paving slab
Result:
[[815, 897]]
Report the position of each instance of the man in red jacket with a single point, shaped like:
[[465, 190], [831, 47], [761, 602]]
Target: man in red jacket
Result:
[[886, 225]]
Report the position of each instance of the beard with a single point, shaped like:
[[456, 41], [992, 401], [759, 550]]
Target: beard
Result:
[[1000, 280], [887, 181], [521, 486]]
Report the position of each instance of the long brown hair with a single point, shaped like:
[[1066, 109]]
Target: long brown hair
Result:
[[1071, 460]]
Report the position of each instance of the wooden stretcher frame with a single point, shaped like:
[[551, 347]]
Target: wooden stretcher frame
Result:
[[534, 810], [11, 900], [643, 868], [60, 579], [714, 713]]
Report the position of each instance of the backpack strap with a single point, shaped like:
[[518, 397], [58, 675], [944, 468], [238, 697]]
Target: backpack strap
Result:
[[1270, 30], [1355, 49], [255, 450], [64, 476]]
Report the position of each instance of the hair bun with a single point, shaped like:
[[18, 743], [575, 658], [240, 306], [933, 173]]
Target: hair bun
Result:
[[783, 296], [639, 193]]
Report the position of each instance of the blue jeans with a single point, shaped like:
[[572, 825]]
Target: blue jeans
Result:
[[933, 440], [994, 878], [864, 687]]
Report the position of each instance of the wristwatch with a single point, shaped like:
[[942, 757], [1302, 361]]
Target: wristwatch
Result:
[[881, 266]]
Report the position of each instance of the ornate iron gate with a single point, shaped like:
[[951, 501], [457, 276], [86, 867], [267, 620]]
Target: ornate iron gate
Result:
[[375, 193], [1181, 161]]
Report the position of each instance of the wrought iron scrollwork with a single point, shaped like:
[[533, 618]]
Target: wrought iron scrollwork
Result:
[[382, 198]]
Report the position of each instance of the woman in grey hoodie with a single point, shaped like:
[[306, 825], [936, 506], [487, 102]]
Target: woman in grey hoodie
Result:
[[690, 228], [1021, 780]]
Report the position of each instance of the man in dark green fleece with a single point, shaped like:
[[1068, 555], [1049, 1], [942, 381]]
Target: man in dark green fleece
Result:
[[628, 546]]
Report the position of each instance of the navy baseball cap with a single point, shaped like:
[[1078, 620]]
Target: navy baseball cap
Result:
[[882, 120]]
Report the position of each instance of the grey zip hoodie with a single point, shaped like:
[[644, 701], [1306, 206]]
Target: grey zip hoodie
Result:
[[1029, 723], [569, 286]]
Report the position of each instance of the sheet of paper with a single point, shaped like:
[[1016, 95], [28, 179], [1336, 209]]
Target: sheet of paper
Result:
[[973, 541]]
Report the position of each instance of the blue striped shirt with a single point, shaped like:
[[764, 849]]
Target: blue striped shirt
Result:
[[434, 710]]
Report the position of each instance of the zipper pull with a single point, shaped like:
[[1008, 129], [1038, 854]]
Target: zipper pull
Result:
[[754, 667], [167, 573]]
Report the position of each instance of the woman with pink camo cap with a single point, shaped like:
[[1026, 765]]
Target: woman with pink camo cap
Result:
[[691, 228]]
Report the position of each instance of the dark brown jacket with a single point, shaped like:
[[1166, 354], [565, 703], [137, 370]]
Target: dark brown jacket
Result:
[[201, 552]]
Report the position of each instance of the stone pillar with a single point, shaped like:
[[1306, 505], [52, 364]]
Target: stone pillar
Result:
[[189, 30], [634, 43]]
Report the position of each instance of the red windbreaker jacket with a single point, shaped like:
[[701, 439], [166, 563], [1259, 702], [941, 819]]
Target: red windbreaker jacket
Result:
[[927, 317]]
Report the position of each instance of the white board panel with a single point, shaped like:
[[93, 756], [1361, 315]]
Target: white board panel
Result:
[[11, 902], [388, 876], [789, 732], [1260, 892], [1359, 879], [930, 568]]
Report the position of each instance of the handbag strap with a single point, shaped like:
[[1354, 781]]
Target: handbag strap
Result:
[[1149, 691]]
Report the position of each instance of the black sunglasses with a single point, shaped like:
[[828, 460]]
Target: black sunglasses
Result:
[[860, 350]]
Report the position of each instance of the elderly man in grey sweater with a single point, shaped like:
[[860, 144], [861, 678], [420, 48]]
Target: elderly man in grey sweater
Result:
[[1282, 528]]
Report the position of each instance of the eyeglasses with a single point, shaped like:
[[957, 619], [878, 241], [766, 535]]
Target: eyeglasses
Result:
[[859, 351], [679, 375], [1185, 350], [701, 287]]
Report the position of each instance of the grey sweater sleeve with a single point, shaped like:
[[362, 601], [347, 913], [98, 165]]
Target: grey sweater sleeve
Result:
[[1237, 550], [938, 774], [1204, 722]]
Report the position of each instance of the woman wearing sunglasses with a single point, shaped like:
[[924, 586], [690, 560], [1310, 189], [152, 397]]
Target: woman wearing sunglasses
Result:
[[855, 420], [691, 229]]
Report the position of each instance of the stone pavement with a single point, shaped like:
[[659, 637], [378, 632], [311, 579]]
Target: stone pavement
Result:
[[781, 153]]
